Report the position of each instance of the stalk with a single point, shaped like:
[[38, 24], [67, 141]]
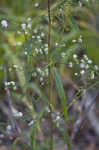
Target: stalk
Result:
[[50, 77]]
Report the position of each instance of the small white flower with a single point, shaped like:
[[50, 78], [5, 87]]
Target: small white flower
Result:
[[29, 26], [33, 37], [80, 4], [26, 32], [86, 66], [38, 37], [9, 127], [70, 64], [19, 43], [15, 66], [63, 54], [38, 70], [41, 79], [56, 44], [82, 65], [36, 4], [25, 53], [12, 82], [31, 122], [23, 26], [4, 23], [42, 34], [18, 32], [34, 74], [29, 19], [74, 56], [46, 50], [35, 30], [73, 41], [89, 61], [14, 88], [10, 69], [19, 114], [85, 57], [82, 72], [46, 45], [76, 74]]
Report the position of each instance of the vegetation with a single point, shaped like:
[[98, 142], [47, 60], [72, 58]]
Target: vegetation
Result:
[[49, 65]]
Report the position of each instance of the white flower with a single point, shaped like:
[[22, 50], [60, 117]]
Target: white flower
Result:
[[73, 41], [31, 122], [70, 64], [18, 32], [56, 43], [26, 32], [23, 26], [76, 74], [14, 88], [4, 23], [38, 37], [82, 65], [38, 70], [19, 114], [82, 72], [92, 76], [63, 54], [29, 26], [35, 30], [19, 43], [25, 53], [74, 56], [33, 37], [86, 66], [89, 61], [9, 127], [29, 19], [41, 79], [85, 57], [42, 34], [36, 4]]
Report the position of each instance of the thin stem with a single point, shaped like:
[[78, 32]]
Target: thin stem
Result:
[[49, 77]]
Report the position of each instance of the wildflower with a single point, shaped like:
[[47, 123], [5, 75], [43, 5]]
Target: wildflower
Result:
[[33, 37], [15, 66], [29, 19], [38, 37], [63, 54], [23, 26], [25, 53], [82, 72], [82, 65], [76, 74], [31, 122], [74, 56], [19, 114], [29, 26], [70, 64], [18, 32], [35, 31], [4, 23], [36, 4], [42, 34], [73, 41], [56, 43], [89, 61]]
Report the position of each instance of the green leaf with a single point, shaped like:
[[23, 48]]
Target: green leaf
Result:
[[61, 93]]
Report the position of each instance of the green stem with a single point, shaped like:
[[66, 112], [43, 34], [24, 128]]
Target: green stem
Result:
[[49, 77]]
